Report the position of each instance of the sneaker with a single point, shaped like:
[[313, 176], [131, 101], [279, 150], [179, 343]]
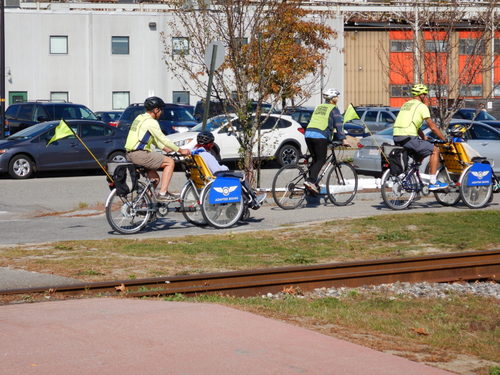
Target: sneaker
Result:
[[261, 198], [311, 186], [168, 197], [438, 185]]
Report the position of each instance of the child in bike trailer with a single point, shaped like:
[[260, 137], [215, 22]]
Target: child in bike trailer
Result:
[[205, 148]]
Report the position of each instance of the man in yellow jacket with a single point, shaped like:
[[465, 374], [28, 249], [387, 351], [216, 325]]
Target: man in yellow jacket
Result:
[[408, 133], [145, 132]]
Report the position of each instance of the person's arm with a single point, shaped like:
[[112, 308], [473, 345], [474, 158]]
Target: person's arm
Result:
[[159, 138], [335, 121], [434, 128]]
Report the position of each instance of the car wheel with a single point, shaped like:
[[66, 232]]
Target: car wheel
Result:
[[288, 154], [117, 157], [21, 167]]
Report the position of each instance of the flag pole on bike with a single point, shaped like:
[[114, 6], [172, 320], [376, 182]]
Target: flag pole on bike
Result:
[[63, 130]]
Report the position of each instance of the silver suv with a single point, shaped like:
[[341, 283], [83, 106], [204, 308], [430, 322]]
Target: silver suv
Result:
[[376, 118]]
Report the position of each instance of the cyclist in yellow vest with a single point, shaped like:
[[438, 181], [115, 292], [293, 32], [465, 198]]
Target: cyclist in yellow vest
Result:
[[325, 119], [143, 134], [408, 133]]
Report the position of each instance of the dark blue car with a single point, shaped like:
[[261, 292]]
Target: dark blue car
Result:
[[175, 118], [26, 152]]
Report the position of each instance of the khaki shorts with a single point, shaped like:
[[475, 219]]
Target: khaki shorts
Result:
[[150, 160]]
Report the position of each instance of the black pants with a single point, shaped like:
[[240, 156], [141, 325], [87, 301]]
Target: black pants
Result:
[[318, 147]]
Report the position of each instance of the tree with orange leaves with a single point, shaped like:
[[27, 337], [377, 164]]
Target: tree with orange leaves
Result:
[[273, 53]]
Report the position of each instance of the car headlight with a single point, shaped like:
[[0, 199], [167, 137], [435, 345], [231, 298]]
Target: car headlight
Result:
[[183, 142], [180, 129]]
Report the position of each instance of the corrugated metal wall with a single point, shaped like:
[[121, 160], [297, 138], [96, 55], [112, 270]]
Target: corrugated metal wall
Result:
[[366, 76]]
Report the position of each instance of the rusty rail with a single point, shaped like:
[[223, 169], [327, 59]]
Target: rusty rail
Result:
[[434, 268]]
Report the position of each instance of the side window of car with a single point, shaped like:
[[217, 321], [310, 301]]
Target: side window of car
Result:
[[25, 112], [306, 118], [386, 117], [296, 116], [269, 122], [92, 130], [371, 116], [39, 114], [481, 132]]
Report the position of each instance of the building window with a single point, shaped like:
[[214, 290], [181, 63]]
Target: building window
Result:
[[180, 97], [59, 96], [180, 46], [497, 47], [496, 93], [401, 45], [438, 91], [399, 91], [471, 90], [120, 45], [471, 47], [436, 46], [121, 99], [58, 45]]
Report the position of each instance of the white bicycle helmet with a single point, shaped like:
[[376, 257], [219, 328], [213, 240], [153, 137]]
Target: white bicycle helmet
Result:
[[331, 93]]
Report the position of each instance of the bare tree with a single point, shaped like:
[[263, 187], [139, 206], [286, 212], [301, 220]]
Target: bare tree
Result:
[[452, 47], [269, 48]]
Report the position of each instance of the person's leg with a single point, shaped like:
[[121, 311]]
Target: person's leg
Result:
[[318, 149], [168, 166], [434, 161]]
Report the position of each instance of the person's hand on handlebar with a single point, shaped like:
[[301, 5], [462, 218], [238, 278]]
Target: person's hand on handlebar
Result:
[[184, 151]]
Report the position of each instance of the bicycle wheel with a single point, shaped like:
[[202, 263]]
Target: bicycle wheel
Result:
[[396, 192], [129, 214], [474, 196], [342, 184], [190, 205], [451, 196], [220, 215], [288, 187]]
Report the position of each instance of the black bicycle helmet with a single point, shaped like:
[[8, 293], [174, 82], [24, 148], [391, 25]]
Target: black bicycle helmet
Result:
[[153, 102], [205, 138]]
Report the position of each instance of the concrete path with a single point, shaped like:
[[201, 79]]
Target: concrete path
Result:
[[123, 336]]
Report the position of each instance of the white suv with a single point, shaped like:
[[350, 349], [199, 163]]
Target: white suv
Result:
[[281, 138]]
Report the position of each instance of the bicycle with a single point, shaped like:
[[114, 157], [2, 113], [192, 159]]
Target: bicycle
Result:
[[288, 188], [457, 170], [132, 212]]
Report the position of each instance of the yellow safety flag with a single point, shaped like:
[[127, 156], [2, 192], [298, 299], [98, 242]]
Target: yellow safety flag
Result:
[[350, 114], [62, 131]]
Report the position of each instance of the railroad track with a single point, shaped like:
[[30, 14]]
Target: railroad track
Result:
[[466, 266]]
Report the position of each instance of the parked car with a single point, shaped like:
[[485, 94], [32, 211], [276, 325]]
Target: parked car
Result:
[[483, 138], [303, 115], [26, 152], [218, 107], [174, 117], [376, 118], [111, 117], [19, 116], [281, 138], [482, 116]]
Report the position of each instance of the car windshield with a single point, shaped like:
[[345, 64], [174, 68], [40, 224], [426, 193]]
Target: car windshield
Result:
[[33, 131], [212, 123]]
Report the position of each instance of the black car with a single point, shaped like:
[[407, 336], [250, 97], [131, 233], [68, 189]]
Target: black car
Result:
[[303, 115], [24, 153], [111, 117], [174, 117], [19, 116]]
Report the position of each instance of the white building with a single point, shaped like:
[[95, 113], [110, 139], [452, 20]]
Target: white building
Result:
[[104, 56]]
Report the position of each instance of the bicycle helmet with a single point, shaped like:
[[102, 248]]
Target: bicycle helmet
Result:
[[419, 89], [331, 93], [205, 138], [153, 102]]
